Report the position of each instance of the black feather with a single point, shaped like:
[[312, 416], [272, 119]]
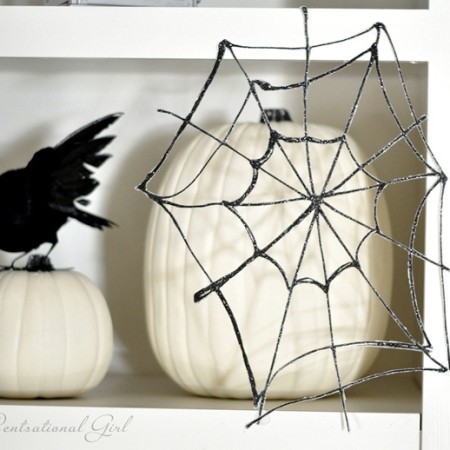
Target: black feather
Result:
[[35, 201]]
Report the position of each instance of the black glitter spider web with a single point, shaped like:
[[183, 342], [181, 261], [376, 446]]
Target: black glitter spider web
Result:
[[315, 216]]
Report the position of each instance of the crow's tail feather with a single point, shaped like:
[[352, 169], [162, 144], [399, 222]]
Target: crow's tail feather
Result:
[[92, 220], [83, 216]]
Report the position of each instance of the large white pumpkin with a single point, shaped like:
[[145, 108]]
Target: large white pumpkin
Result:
[[195, 342], [55, 334]]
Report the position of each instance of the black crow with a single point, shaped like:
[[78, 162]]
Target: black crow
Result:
[[35, 201]]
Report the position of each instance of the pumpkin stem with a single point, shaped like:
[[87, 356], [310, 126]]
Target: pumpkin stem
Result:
[[276, 115], [39, 263]]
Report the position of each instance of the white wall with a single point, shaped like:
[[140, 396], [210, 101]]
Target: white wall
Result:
[[43, 101]]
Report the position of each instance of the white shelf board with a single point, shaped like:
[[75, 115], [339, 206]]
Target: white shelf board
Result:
[[194, 33], [154, 413], [396, 394]]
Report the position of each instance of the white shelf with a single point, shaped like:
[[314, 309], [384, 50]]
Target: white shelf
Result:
[[163, 415], [396, 395], [192, 33]]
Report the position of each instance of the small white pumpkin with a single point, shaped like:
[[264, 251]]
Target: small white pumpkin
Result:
[[55, 334], [195, 342]]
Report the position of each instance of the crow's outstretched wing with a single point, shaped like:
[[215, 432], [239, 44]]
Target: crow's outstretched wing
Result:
[[61, 175]]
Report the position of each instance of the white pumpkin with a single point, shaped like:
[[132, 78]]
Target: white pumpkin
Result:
[[55, 334], [195, 342]]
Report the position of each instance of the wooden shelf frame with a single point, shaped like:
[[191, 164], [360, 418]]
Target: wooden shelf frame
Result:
[[173, 33]]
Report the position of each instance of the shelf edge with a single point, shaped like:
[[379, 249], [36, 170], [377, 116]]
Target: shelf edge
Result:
[[191, 33]]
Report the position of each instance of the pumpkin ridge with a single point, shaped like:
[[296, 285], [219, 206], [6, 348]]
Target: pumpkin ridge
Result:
[[198, 377], [151, 306], [100, 346], [21, 331], [222, 372], [169, 360], [173, 349], [66, 346], [172, 185], [160, 343], [9, 277], [215, 355], [95, 369]]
